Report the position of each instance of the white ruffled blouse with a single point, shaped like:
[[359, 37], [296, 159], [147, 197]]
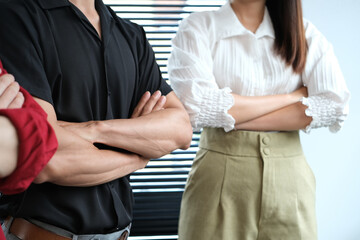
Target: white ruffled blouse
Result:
[[214, 54]]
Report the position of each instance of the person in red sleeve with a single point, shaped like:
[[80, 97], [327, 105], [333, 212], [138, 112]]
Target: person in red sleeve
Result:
[[27, 141]]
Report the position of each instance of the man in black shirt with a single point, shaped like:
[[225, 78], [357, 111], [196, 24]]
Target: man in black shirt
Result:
[[93, 73]]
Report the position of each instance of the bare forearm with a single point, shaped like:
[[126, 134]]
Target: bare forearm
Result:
[[247, 108], [155, 128], [78, 162], [8, 147], [91, 173], [289, 118], [151, 136]]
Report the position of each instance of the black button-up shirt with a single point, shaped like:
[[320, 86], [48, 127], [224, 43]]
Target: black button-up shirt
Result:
[[56, 54]]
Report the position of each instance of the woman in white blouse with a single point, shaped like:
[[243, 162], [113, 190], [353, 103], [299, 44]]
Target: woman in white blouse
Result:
[[251, 75]]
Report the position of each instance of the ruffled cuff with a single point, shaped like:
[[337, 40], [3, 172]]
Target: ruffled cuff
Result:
[[214, 108], [325, 112]]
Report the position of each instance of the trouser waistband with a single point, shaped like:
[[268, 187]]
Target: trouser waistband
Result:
[[36, 230], [251, 143]]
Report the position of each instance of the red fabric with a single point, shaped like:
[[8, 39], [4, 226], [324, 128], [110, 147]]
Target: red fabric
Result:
[[37, 143], [2, 70], [2, 237]]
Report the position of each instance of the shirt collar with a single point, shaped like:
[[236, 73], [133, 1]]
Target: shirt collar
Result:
[[50, 4], [103, 11], [229, 24]]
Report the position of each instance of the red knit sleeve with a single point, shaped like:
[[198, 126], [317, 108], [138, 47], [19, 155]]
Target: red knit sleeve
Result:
[[37, 144]]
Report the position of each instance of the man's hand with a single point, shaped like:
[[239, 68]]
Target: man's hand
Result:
[[87, 130], [149, 103], [10, 97], [79, 163], [151, 132]]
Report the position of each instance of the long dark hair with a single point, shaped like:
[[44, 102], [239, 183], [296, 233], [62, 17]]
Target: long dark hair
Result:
[[290, 41]]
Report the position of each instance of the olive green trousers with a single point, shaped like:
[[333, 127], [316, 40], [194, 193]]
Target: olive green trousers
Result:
[[247, 185]]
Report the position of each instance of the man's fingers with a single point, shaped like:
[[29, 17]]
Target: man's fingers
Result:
[[148, 108], [9, 95], [18, 101], [160, 103], [5, 81], [139, 108]]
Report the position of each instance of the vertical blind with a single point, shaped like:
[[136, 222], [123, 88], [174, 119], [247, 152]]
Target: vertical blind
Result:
[[158, 188]]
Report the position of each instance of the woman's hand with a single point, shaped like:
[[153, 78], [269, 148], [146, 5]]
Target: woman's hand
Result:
[[10, 95]]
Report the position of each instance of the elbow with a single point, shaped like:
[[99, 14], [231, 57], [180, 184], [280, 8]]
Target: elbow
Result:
[[186, 138], [8, 165], [41, 178], [49, 174], [185, 134], [179, 137], [4, 173]]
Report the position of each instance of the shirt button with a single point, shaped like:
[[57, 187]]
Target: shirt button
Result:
[[266, 140], [266, 151], [109, 93]]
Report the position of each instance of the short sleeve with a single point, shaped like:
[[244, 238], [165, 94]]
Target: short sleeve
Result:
[[149, 73], [191, 77], [20, 48], [328, 100]]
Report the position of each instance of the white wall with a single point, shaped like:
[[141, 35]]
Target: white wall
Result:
[[334, 157]]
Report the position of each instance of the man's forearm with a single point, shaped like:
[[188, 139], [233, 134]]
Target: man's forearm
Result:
[[152, 136], [103, 166], [78, 162], [289, 118], [8, 147]]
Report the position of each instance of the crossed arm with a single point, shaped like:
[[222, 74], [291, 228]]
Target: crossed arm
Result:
[[8, 147], [283, 112], [152, 132], [158, 126], [10, 97]]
